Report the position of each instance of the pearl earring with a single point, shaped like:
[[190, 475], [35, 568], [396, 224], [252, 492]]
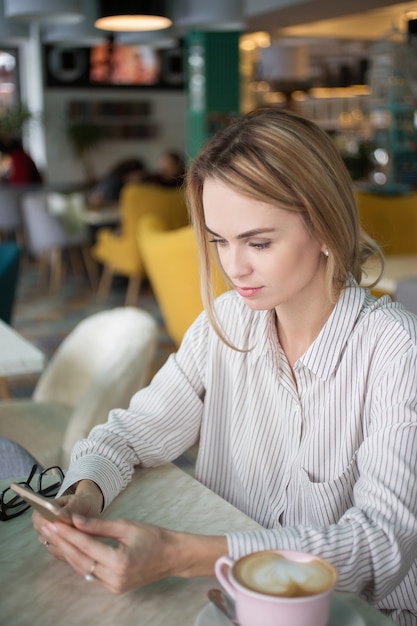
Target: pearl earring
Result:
[[326, 252]]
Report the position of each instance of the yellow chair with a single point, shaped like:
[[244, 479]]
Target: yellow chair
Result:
[[172, 267], [390, 219], [119, 252]]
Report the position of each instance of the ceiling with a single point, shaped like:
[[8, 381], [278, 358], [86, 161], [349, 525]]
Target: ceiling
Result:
[[327, 27], [339, 19], [331, 30]]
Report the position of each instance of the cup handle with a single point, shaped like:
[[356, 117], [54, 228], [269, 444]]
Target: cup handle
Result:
[[222, 576]]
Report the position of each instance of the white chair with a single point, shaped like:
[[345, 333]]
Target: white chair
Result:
[[47, 235], [99, 366]]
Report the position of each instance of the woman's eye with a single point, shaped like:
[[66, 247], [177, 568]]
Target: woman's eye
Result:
[[261, 246], [219, 242], [258, 246]]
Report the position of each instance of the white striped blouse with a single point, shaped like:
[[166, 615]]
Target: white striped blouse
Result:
[[326, 465]]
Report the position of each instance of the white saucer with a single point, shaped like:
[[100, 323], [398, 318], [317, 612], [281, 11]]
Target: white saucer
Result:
[[341, 614]]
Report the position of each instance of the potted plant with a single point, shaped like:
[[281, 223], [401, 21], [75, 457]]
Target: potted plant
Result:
[[83, 136], [13, 119]]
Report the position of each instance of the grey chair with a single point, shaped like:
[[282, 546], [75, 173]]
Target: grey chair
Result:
[[47, 236], [406, 293], [11, 225], [15, 461]]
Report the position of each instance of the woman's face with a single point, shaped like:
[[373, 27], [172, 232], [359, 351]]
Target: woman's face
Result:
[[267, 252]]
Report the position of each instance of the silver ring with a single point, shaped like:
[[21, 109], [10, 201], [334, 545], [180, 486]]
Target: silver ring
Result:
[[46, 543], [89, 577]]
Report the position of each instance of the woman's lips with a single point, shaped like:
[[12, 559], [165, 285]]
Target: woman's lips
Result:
[[248, 292]]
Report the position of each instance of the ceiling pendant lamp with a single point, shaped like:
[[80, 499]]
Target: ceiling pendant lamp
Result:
[[11, 31], [131, 15], [77, 35], [43, 10]]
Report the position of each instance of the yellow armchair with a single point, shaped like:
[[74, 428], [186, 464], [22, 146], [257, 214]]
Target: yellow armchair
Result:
[[172, 266], [119, 253], [390, 219]]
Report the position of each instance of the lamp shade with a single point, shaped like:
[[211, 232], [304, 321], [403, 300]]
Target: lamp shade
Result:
[[131, 15], [77, 35], [10, 30], [43, 10]]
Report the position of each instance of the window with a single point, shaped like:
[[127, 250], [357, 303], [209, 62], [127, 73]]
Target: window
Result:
[[9, 86]]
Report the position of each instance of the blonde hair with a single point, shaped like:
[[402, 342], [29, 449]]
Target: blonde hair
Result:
[[278, 157]]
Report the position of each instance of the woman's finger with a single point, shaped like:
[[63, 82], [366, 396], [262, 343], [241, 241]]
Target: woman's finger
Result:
[[131, 555], [81, 551]]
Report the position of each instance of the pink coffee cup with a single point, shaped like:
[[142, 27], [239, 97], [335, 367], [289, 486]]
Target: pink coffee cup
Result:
[[278, 587]]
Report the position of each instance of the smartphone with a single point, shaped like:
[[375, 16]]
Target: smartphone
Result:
[[45, 506]]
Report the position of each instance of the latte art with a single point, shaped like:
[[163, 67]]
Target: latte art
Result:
[[273, 574]]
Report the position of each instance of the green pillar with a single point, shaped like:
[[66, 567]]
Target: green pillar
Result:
[[213, 85]]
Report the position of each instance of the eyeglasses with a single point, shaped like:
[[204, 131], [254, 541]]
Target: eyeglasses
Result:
[[12, 505]]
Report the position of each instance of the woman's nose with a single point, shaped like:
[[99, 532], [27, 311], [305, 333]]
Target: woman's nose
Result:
[[235, 263]]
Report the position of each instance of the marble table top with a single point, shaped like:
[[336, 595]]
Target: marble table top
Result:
[[17, 355], [102, 216], [38, 590]]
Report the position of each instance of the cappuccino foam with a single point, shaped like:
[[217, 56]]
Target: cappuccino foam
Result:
[[273, 574]]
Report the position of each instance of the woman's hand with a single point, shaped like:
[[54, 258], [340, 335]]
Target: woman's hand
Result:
[[138, 554], [87, 502]]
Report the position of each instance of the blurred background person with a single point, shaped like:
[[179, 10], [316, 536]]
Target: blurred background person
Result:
[[170, 172], [107, 191], [18, 167]]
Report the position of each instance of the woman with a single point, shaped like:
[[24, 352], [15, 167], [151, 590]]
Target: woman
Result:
[[300, 385]]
